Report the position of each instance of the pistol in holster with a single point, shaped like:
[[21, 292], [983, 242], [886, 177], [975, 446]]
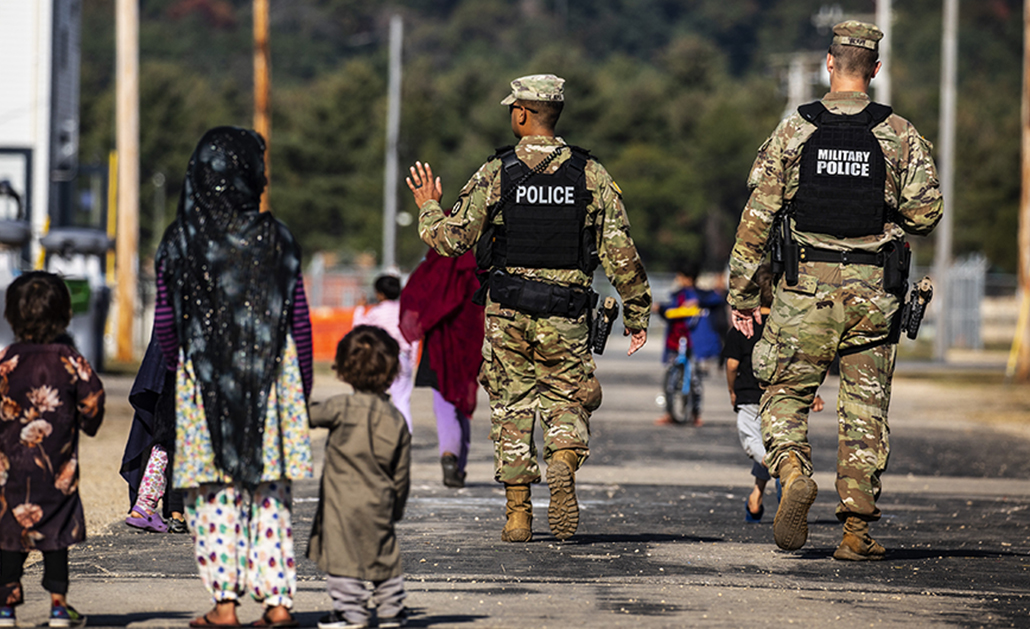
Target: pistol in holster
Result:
[[915, 307], [897, 259], [602, 323]]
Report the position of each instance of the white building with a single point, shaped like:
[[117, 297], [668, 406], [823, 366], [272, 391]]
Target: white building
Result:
[[39, 108]]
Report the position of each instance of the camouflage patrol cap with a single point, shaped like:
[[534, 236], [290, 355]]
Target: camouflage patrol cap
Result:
[[536, 87], [855, 33]]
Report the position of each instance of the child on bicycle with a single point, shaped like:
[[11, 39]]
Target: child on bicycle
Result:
[[688, 315], [50, 393]]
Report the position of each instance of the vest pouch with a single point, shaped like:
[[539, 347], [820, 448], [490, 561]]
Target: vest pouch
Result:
[[589, 258], [537, 298], [533, 298], [543, 236], [485, 247]]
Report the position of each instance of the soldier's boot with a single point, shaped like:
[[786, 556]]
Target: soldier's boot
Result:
[[519, 510], [857, 545], [563, 512], [790, 527]]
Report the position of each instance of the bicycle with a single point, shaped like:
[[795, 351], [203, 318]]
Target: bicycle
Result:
[[682, 385]]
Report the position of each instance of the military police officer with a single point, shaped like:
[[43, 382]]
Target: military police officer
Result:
[[849, 178], [542, 215]]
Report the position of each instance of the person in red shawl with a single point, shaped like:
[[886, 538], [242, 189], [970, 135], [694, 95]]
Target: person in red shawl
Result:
[[436, 304]]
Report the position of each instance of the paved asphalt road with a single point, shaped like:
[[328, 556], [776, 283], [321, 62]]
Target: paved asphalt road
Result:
[[662, 540]]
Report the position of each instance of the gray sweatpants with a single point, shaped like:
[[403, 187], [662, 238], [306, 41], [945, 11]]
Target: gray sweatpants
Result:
[[350, 597]]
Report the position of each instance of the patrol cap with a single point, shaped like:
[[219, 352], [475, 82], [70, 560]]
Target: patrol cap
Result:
[[855, 33], [536, 87]]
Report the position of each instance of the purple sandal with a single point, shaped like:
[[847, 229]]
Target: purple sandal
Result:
[[150, 522]]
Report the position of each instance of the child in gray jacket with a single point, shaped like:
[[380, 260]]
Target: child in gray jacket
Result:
[[364, 487]]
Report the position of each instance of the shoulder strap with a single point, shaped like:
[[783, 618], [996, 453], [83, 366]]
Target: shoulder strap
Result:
[[578, 162], [812, 112], [878, 113], [579, 149], [512, 165], [500, 151]]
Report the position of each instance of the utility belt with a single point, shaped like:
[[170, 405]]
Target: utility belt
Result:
[[895, 258], [811, 254], [537, 298]]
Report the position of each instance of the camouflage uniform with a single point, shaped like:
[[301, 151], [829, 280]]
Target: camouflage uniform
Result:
[[542, 363], [833, 307]]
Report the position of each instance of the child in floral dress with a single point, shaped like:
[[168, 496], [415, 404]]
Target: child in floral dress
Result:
[[48, 393]]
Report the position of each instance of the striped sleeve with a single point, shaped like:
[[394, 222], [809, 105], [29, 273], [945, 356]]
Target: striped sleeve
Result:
[[164, 323], [301, 329]]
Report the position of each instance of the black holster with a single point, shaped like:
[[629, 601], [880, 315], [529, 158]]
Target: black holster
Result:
[[897, 258], [785, 251]]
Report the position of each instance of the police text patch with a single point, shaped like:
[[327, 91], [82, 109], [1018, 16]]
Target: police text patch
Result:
[[545, 195]]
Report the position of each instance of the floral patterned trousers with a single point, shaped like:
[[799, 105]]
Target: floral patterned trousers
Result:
[[244, 541]]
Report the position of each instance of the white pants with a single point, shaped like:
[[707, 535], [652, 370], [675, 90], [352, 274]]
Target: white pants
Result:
[[749, 428], [400, 390]]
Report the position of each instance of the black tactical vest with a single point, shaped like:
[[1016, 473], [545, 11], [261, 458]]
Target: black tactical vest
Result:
[[843, 172], [544, 220]]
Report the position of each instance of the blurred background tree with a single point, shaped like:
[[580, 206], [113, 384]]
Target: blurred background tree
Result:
[[674, 96]]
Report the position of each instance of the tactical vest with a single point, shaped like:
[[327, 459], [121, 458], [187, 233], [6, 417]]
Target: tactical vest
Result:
[[543, 217], [843, 172]]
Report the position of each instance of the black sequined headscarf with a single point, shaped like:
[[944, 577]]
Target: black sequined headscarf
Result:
[[230, 272]]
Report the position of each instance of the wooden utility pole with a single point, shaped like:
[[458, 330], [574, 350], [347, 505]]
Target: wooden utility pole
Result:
[[127, 143], [262, 89], [1021, 343]]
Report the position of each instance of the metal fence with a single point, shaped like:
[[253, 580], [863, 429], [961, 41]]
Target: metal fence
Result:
[[965, 296]]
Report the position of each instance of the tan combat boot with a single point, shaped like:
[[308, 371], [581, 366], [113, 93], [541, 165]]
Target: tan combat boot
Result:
[[857, 545], [790, 527], [519, 509], [563, 512]]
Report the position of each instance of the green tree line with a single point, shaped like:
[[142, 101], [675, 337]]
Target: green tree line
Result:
[[674, 96]]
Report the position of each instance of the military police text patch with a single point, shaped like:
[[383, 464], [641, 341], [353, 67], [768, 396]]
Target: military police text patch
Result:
[[841, 162]]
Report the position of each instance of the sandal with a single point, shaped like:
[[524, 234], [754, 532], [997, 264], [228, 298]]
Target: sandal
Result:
[[753, 517], [204, 621], [147, 522], [266, 622]]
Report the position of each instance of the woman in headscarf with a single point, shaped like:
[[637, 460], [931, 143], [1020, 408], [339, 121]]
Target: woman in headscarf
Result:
[[437, 304], [233, 322]]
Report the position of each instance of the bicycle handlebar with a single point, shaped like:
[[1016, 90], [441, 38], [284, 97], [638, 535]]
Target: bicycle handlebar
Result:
[[683, 312]]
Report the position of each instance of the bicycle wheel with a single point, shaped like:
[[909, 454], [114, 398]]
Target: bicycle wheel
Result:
[[696, 391], [677, 403]]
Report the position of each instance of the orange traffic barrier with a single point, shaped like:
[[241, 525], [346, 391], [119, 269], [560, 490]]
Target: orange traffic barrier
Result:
[[328, 326]]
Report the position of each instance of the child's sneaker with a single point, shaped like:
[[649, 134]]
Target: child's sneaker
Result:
[[7, 618], [399, 620], [336, 620], [66, 617]]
